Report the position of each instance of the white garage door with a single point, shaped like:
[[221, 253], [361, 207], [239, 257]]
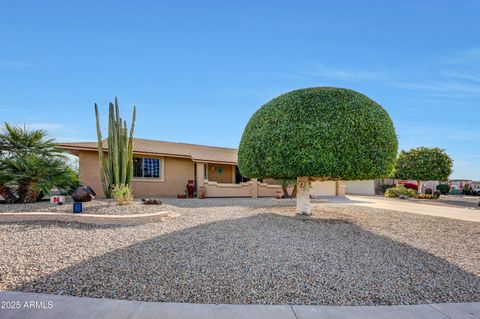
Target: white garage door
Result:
[[360, 187], [323, 188]]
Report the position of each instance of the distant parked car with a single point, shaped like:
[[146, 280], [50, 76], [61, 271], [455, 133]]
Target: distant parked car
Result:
[[477, 190]]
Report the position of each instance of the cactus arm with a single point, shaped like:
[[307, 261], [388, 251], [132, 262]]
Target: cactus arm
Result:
[[114, 150], [101, 157], [130, 148], [123, 153]]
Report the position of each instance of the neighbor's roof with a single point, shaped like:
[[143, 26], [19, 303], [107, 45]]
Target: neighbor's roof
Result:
[[162, 148]]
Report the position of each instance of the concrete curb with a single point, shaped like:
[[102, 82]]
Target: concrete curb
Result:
[[39, 306], [137, 219]]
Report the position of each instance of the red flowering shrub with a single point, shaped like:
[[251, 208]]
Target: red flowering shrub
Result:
[[410, 185]]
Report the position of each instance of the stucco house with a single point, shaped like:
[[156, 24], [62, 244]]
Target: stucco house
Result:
[[164, 168]]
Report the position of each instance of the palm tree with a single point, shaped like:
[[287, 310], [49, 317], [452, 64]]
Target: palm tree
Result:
[[30, 165], [15, 139]]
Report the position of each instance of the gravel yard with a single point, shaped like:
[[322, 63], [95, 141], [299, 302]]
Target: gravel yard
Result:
[[251, 251], [100, 207]]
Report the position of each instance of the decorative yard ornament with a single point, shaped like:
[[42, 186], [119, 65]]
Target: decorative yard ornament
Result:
[[83, 194], [322, 133]]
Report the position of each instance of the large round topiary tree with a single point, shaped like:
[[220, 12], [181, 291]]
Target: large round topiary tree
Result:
[[319, 133], [423, 164]]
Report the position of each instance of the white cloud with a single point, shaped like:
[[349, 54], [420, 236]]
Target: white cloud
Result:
[[14, 64], [51, 128], [473, 53], [47, 126], [343, 74], [438, 86], [462, 75], [419, 134]]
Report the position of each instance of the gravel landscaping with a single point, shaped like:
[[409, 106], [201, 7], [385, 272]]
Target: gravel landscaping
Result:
[[101, 207], [243, 251]]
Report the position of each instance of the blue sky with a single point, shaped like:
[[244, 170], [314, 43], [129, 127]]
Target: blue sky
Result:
[[197, 70]]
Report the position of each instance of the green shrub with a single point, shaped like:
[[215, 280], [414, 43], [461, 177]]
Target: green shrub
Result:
[[444, 189], [382, 188], [325, 132], [399, 190], [31, 165], [423, 164], [468, 190], [122, 194]]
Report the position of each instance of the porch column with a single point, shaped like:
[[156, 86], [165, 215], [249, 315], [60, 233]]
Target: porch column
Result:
[[234, 175], [340, 188], [200, 168], [254, 188]]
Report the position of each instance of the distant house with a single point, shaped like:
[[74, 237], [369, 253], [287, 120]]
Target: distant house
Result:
[[459, 184], [475, 184]]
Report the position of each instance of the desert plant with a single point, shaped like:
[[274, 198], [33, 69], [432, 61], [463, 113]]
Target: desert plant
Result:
[[17, 140], [31, 165], [426, 196], [122, 194], [423, 164], [35, 175], [318, 134], [382, 188], [399, 190], [117, 168], [444, 189]]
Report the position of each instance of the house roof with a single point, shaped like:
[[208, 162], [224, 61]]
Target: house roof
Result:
[[199, 153]]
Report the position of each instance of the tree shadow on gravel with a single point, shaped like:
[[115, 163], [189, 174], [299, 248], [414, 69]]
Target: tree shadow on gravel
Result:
[[268, 259]]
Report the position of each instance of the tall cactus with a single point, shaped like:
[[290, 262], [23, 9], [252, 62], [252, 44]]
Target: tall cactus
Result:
[[117, 168]]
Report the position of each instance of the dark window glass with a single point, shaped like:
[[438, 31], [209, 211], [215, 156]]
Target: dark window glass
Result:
[[146, 167], [137, 167], [151, 167]]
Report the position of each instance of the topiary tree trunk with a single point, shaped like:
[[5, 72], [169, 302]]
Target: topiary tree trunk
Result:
[[303, 196]]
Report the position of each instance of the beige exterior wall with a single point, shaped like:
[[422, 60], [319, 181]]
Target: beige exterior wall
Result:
[[224, 177], [215, 189], [328, 188], [317, 188], [90, 171], [251, 188], [366, 187], [176, 173]]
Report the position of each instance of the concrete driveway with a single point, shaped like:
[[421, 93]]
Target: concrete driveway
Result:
[[410, 206]]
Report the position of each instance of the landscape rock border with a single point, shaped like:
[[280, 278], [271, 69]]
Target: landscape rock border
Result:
[[137, 219]]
